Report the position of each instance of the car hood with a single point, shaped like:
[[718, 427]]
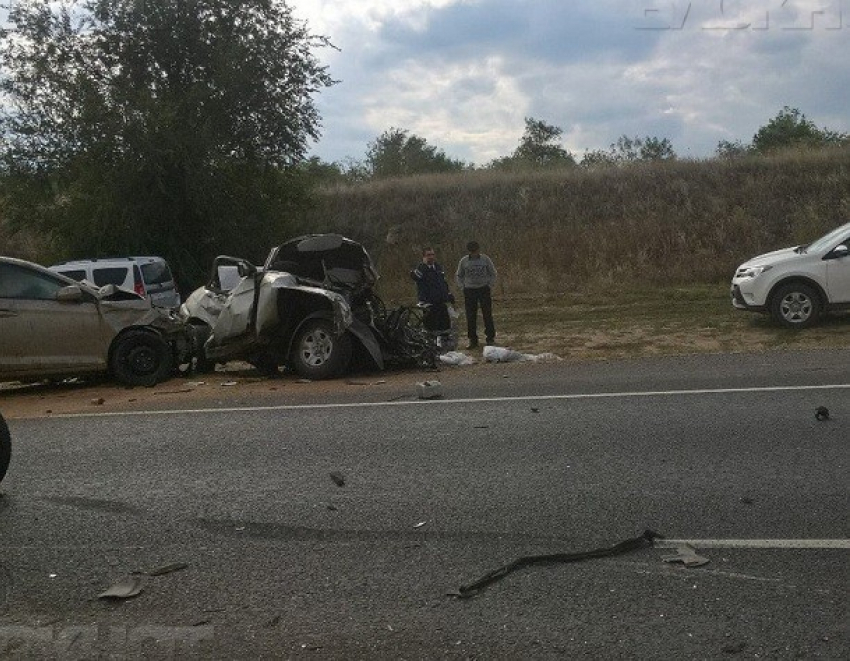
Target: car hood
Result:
[[775, 257]]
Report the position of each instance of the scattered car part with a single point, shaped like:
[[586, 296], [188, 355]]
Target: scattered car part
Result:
[[5, 448], [821, 413], [124, 589], [643, 541], [687, 555], [429, 390], [797, 285]]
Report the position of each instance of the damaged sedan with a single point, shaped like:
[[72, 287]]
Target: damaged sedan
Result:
[[54, 327], [311, 307]]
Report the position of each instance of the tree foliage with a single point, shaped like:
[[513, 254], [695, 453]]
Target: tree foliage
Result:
[[398, 153], [791, 128], [167, 127], [631, 150], [538, 148]]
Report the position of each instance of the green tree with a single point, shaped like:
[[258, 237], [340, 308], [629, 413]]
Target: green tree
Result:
[[728, 150], [791, 128], [397, 153], [629, 150], [169, 127], [538, 148]]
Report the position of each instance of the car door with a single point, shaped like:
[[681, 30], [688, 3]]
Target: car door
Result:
[[41, 335], [838, 272]]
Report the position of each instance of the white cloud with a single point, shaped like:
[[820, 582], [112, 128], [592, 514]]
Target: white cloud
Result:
[[463, 74]]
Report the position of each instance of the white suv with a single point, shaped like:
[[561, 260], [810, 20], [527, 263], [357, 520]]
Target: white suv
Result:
[[149, 277], [796, 285]]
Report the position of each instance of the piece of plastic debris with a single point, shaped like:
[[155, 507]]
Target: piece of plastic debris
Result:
[[421, 524], [304, 381], [821, 413], [429, 390], [338, 478], [123, 589], [380, 382], [229, 383], [98, 401], [456, 358], [194, 384], [687, 555]]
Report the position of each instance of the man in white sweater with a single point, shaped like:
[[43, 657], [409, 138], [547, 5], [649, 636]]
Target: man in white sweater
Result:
[[476, 275]]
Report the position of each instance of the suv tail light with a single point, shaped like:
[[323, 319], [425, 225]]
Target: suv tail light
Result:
[[138, 283]]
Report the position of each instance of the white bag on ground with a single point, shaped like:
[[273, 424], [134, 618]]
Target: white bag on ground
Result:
[[503, 355]]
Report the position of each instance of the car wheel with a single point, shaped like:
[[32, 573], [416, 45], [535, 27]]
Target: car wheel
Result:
[[318, 353], [5, 448], [141, 358], [796, 305]]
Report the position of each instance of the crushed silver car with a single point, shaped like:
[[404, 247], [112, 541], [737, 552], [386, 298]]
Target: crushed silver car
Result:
[[53, 326], [311, 307]]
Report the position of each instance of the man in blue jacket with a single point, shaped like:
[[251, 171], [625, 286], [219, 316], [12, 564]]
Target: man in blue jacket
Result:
[[433, 289]]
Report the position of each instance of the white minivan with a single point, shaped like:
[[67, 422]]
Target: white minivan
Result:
[[147, 276]]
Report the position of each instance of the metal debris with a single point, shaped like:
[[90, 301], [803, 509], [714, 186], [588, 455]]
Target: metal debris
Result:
[[821, 413]]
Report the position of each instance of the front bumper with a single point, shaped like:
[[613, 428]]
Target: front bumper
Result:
[[744, 301]]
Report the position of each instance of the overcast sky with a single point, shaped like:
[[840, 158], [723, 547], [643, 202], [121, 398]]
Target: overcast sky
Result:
[[463, 74]]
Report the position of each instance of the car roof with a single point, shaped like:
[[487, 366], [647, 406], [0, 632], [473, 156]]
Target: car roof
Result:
[[41, 269], [147, 259]]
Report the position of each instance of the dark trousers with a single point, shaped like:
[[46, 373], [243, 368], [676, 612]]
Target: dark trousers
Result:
[[436, 318], [472, 298]]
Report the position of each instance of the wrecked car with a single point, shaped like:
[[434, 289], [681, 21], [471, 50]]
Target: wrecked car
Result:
[[311, 307], [54, 327]]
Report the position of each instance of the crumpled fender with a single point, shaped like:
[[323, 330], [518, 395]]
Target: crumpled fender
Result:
[[363, 333], [267, 312]]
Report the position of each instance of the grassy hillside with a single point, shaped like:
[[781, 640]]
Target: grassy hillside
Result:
[[679, 223]]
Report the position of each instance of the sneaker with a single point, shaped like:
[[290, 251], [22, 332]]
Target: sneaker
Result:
[[472, 345]]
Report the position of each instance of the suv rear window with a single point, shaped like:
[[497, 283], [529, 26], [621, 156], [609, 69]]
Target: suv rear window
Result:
[[156, 273], [76, 275], [109, 276]]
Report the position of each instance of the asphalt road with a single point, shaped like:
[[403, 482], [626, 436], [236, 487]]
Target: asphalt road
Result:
[[515, 460]]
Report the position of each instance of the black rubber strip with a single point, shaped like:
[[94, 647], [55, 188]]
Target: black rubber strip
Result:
[[643, 541]]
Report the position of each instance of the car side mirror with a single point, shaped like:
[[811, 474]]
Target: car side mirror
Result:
[[840, 250], [70, 294]]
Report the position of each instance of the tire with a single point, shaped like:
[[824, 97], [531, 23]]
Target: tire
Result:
[[796, 305], [5, 448], [141, 358], [319, 354]]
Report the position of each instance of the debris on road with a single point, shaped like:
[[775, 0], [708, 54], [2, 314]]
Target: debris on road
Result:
[[338, 478], [643, 541], [98, 401], [165, 569], [429, 390], [123, 589], [503, 355], [687, 555], [456, 358], [821, 413], [421, 524]]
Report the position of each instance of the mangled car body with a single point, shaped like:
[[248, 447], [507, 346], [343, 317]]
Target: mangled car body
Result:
[[53, 326], [311, 307]]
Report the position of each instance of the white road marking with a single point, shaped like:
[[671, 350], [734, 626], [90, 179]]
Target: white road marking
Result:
[[754, 543], [444, 402]]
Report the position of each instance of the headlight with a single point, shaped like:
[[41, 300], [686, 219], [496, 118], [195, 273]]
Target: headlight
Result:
[[752, 271]]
